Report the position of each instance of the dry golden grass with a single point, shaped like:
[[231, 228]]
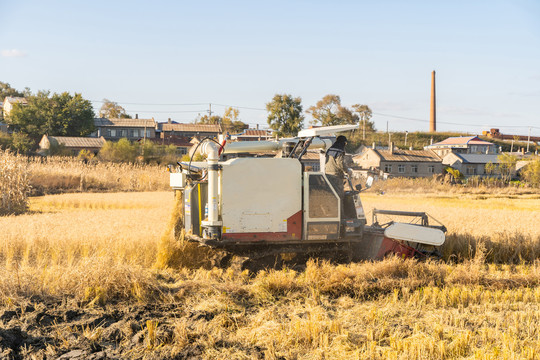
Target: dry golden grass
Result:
[[68, 174], [507, 226], [14, 185], [98, 252]]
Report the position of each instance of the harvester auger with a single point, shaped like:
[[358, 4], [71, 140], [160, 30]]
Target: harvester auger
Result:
[[263, 208]]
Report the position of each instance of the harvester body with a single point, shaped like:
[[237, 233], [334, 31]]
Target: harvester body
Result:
[[264, 206]]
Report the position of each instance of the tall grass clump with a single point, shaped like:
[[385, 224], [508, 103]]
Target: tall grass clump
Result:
[[174, 249], [58, 174], [14, 185]]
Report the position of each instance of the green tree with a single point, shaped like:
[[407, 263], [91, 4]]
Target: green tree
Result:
[[21, 143], [56, 115], [230, 121], [531, 173], [285, 114], [364, 115], [111, 110], [507, 165], [7, 90], [328, 111], [209, 120], [490, 168], [121, 151]]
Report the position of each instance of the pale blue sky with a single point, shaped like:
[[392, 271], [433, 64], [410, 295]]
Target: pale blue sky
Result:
[[381, 53]]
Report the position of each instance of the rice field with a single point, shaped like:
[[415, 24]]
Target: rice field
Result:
[[78, 275]]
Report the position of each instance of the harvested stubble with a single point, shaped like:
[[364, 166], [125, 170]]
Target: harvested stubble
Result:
[[14, 185], [87, 250]]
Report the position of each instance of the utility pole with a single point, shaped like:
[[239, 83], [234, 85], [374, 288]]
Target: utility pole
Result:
[[528, 139], [406, 133], [512, 146], [209, 111], [364, 129]]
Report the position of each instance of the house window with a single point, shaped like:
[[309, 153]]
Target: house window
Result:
[[471, 170], [112, 132], [148, 133], [474, 149], [401, 168], [387, 168], [120, 133], [414, 168], [182, 150], [431, 169]]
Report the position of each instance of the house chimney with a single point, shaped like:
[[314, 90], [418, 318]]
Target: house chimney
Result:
[[391, 147], [257, 126], [410, 147], [373, 146], [432, 119], [431, 141], [136, 116], [169, 121]]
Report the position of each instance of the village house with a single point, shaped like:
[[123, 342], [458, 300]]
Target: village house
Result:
[[9, 102], [181, 143], [472, 164], [5, 109], [201, 131], [400, 163], [132, 129], [73, 144], [462, 145], [253, 135]]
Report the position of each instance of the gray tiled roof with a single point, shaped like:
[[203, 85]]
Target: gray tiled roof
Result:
[[88, 142], [408, 155], [478, 158], [102, 122], [191, 127]]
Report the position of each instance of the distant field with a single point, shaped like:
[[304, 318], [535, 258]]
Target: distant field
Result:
[[467, 213], [78, 275]]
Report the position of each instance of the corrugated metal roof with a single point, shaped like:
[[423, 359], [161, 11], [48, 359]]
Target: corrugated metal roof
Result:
[[478, 158], [408, 155], [102, 122], [462, 140], [13, 100], [255, 133], [83, 142], [191, 127]]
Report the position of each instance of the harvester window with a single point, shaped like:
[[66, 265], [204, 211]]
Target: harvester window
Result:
[[323, 203]]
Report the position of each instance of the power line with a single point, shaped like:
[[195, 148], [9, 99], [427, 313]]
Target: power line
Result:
[[453, 123], [167, 112], [150, 104], [240, 107]]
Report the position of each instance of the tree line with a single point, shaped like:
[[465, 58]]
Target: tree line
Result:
[[285, 115], [66, 114]]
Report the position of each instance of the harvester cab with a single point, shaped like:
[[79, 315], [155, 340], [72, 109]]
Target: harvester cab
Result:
[[259, 205]]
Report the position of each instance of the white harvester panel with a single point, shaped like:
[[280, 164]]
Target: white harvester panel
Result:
[[261, 199], [415, 233]]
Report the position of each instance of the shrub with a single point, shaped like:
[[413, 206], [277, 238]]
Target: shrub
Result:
[[14, 186]]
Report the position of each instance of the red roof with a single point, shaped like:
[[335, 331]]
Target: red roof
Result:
[[462, 140]]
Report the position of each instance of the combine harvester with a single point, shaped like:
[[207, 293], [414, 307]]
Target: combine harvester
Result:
[[263, 208]]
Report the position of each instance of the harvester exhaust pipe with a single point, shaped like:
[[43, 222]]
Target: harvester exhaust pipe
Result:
[[212, 225]]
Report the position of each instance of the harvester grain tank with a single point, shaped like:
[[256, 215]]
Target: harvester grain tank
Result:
[[260, 207]]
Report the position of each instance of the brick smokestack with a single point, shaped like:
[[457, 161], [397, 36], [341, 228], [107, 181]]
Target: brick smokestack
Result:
[[433, 112]]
